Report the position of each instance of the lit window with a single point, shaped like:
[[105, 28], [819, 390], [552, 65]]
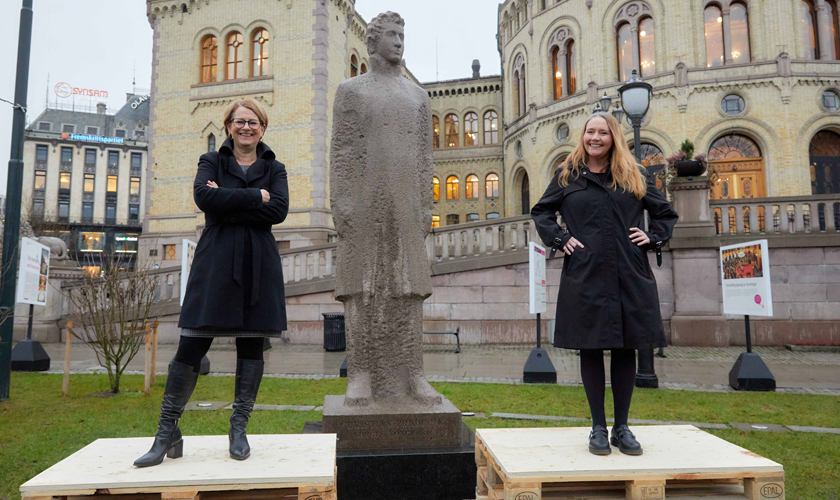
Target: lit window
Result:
[[209, 53], [112, 184], [126, 242], [563, 70], [471, 129], [647, 56], [233, 68], [808, 15], [491, 128], [259, 59], [435, 221], [739, 28], [40, 180], [89, 182], [492, 185], [472, 187], [436, 131], [452, 189], [451, 125], [436, 187], [134, 186], [64, 181], [713, 26], [625, 52], [91, 242]]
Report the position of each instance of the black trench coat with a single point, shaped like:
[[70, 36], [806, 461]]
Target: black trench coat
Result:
[[236, 280], [608, 297]]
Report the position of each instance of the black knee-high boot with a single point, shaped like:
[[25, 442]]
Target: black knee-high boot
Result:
[[249, 374], [179, 387]]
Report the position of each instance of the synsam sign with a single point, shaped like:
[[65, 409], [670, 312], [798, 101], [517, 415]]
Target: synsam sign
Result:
[[96, 138]]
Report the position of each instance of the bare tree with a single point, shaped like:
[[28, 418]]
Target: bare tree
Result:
[[111, 310]]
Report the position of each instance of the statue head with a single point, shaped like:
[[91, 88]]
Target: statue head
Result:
[[385, 37]]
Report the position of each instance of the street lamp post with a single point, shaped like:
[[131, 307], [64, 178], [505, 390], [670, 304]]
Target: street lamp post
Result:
[[635, 101]]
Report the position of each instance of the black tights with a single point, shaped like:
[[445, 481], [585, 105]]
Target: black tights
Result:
[[622, 377], [192, 349]]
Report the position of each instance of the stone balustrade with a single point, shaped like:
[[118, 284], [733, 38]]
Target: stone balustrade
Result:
[[780, 215]]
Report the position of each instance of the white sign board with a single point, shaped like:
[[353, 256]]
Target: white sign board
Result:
[[187, 256], [536, 272], [745, 274], [33, 272]]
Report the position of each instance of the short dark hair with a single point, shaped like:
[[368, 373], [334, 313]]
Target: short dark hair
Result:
[[374, 28]]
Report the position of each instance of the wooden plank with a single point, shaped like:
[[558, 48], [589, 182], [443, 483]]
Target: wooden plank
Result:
[[147, 360], [180, 495], [316, 493], [154, 351], [269, 494], [645, 490], [277, 461], [65, 384], [523, 491], [765, 488]]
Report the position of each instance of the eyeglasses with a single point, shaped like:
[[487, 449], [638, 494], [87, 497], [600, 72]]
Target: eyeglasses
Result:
[[241, 123]]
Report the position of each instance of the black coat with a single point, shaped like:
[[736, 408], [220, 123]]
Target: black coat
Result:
[[236, 280], [608, 297]]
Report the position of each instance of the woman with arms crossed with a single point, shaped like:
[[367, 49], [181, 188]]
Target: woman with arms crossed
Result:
[[608, 297], [235, 288]]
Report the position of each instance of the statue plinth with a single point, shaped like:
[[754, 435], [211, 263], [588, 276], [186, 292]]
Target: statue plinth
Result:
[[402, 424]]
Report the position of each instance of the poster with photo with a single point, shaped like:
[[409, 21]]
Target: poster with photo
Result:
[[187, 256], [34, 271], [536, 270], [745, 275]]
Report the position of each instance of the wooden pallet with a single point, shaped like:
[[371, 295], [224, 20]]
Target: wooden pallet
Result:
[[679, 461], [286, 466]]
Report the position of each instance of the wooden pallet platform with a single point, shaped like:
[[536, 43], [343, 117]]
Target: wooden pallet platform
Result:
[[284, 466], [679, 461]]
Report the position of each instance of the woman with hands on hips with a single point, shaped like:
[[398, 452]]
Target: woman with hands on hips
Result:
[[235, 288], [608, 297]]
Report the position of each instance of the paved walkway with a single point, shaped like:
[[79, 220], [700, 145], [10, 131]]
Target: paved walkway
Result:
[[683, 368]]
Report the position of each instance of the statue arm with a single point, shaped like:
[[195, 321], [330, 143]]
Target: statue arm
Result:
[[344, 162], [426, 156]]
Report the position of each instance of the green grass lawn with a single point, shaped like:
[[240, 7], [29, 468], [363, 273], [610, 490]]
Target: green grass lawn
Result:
[[39, 427]]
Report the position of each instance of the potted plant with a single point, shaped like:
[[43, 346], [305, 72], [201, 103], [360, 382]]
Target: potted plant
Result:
[[686, 164]]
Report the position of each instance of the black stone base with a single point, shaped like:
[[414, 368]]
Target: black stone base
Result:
[[539, 369], [751, 374], [29, 356], [445, 474]]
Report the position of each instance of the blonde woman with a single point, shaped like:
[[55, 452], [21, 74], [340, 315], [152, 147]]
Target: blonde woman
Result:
[[608, 297]]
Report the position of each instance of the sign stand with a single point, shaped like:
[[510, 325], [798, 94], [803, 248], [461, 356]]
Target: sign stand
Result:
[[538, 368], [745, 275], [28, 355]]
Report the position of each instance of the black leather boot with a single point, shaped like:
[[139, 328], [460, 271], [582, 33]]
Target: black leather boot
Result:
[[599, 443], [625, 440], [249, 374], [168, 441]]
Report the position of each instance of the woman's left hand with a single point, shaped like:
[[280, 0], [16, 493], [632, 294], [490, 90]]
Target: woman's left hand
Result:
[[212, 184], [638, 236]]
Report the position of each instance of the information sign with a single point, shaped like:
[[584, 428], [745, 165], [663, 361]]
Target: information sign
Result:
[[745, 275], [536, 271], [33, 272], [187, 256]]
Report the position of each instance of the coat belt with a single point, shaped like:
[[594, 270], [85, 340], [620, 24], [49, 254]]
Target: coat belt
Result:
[[239, 259]]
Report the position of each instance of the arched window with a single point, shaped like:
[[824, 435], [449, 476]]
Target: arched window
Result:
[[559, 72], [821, 32], [525, 194], [436, 132], [647, 57], [625, 52], [436, 188], [209, 53], [570, 67], [491, 183], [739, 27], [740, 168], [211, 143], [833, 28], [652, 159], [233, 69], [713, 25], [470, 130], [733, 146], [491, 128], [451, 130], [516, 110], [808, 16], [363, 68], [563, 61], [259, 54], [354, 66], [519, 107], [472, 187], [824, 154], [452, 191]]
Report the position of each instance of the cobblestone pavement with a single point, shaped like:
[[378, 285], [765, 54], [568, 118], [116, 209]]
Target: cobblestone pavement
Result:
[[683, 368]]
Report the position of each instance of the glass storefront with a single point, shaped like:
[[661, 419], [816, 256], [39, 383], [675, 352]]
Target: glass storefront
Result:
[[91, 242]]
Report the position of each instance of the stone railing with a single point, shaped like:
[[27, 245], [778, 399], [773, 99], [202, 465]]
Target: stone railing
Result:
[[777, 216]]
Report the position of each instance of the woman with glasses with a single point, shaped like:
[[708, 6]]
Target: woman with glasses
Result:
[[235, 287]]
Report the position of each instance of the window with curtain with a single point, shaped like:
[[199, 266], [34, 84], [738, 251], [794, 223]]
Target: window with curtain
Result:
[[451, 126], [472, 187], [739, 27], [209, 54], [452, 188], [491, 128], [436, 132], [471, 129], [354, 66], [259, 52], [713, 28], [647, 57], [625, 52], [491, 183], [436, 188], [234, 57]]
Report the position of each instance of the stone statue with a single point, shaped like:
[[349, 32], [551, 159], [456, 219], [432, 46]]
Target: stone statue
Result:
[[381, 196], [57, 246]]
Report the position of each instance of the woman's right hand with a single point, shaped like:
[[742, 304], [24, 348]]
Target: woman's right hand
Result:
[[265, 196], [569, 247]]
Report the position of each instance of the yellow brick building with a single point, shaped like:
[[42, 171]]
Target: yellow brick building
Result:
[[745, 81]]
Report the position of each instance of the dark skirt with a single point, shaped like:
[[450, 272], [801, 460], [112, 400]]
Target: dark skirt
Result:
[[212, 333]]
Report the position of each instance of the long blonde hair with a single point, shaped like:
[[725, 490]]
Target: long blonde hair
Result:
[[625, 169]]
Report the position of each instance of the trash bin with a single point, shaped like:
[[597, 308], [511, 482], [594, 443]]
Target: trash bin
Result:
[[334, 339]]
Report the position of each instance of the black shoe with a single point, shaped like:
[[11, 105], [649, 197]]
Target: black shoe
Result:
[[625, 440], [168, 441], [599, 443], [249, 374]]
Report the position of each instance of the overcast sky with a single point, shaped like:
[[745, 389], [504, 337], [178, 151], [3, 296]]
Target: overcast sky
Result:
[[102, 44]]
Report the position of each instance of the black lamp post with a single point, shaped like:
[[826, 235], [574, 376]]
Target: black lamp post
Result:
[[635, 102]]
